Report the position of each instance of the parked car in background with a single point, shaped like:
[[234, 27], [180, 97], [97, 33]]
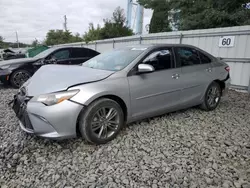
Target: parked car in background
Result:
[[96, 99], [16, 72], [7, 54]]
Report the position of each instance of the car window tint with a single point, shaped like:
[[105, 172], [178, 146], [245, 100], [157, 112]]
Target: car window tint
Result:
[[62, 54], [204, 58], [79, 52], [92, 53], [187, 57], [160, 60]]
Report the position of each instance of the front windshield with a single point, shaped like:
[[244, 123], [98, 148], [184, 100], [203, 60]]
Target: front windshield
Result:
[[114, 60], [45, 53]]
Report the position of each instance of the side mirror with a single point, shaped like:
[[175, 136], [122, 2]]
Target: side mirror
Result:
[[39, 62], [145, 68]]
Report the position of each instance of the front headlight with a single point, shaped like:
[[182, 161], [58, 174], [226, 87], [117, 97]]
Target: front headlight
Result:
[[9, 67], [5, 67], [55, 98]]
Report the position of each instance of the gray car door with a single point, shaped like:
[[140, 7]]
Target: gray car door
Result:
[[195, 75], [152, 93]]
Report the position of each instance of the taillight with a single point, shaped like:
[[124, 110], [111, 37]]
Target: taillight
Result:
[[227, 69]]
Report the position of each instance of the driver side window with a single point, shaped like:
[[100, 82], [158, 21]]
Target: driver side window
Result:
[[160, 59], [61, 54]]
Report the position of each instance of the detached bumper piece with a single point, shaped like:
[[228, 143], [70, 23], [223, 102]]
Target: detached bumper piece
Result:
[[20, 109]]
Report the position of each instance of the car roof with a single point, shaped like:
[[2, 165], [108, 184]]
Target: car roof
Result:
[[134, 46], [63, 47], [160, 45], [145, 47]]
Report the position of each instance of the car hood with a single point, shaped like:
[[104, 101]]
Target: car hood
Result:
[[17, 61], [53, 78]]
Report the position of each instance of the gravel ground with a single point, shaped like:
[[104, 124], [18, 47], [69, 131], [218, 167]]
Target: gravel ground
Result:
[[189, 148]]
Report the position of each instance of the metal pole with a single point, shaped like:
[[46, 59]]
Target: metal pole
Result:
[[140, 39], [181, 36], [17, 40], [65, 23], [249, 86]]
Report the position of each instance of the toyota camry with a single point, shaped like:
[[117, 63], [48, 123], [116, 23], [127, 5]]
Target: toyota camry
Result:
[[95, 100]]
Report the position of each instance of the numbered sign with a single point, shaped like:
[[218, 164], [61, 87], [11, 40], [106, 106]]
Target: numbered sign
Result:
[[226, 41]]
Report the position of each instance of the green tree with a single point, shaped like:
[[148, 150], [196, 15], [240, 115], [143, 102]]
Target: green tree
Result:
[[196, 14], [77, 38], [205, 14], [160, 19], [1, 42], [93, 33], [34, 43], [54, 37], [114, 27]]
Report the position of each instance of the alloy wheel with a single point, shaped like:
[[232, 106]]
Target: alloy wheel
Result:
[[213, 96], [105, 122], [20, 77]]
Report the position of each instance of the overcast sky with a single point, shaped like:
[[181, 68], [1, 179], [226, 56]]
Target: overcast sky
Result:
[[33, 18]]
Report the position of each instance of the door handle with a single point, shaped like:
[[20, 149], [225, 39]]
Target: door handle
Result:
[[209, 69], [176, 76]]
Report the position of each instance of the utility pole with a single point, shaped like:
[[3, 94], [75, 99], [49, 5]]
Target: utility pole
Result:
[[65, 23], [17, 40]]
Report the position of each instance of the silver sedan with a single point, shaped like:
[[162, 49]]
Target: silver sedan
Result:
[[95, 100]]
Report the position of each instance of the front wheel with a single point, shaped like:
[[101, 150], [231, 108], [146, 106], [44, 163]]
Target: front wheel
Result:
[[212, 97], [18, 77], [101, 121]]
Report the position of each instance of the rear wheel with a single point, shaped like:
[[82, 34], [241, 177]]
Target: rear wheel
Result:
[[18, 77], [212, 97], [101, 121]]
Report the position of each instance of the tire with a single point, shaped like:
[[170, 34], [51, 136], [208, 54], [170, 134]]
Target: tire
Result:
[[16, 78], [92, 118], [209, 96]]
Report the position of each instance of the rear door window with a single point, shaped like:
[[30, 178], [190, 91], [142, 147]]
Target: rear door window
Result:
[[204, 59], [93, 53], [187, 57], [79, 52]]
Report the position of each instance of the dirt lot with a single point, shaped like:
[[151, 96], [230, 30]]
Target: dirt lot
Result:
[[189, 148]]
